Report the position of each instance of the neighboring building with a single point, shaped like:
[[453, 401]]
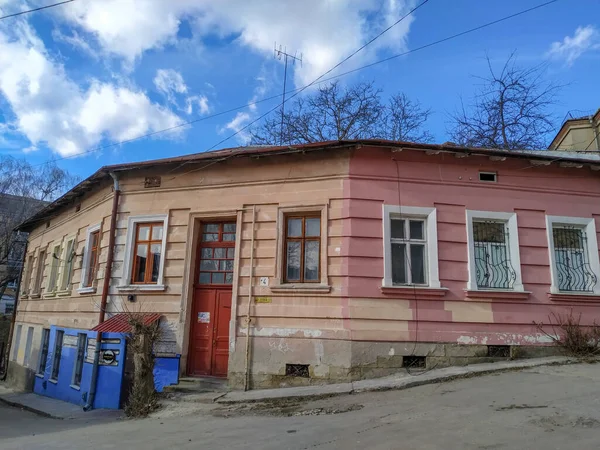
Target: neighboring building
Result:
[[582, 133], [352, 259], [7, 305]]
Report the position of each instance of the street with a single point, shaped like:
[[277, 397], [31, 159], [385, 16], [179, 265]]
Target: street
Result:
[[555, 407]]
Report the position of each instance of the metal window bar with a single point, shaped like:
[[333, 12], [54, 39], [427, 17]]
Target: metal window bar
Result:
[[57, 354], [572, 260], [493, 266], [44, 351], [78, 369]]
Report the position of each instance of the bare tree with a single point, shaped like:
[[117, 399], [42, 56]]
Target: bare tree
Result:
[[24, 189], [511, 111], [337, 113]]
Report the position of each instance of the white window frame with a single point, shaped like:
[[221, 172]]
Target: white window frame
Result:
[[429, 215], [510, 219], [132, 223], [54, 269], [62, 284], [86, 260], [588, 224]]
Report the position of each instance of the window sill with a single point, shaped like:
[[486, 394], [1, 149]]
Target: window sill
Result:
[[497, 294], [33, 296], [50, 294], [63, 293], [53, 381], [570, 297], [142, 288], [304, 288], [39, 375], [417, 292], [77, 388], [87, 290]]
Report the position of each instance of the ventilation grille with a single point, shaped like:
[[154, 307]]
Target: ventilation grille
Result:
[[489, 177], [297, 370], [499, 351], [413, 362]]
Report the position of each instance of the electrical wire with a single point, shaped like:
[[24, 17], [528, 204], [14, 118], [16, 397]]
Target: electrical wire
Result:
[[300, 89], [35, 9]]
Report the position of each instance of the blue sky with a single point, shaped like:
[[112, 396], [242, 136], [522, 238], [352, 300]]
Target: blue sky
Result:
[[97, 72]]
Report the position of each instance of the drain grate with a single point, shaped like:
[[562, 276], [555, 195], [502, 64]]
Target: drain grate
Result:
[[297, 370]]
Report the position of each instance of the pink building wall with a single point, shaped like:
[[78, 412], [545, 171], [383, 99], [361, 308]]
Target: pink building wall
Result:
[[451, 185]]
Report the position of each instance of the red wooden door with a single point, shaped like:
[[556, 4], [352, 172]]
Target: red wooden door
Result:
[[209, 337]]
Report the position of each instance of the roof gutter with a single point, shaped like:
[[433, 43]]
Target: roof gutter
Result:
[[105, 287]]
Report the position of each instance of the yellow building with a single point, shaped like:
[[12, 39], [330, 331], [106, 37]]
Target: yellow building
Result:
[[582, 133]]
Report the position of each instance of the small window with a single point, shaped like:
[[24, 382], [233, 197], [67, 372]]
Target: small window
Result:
[[147, 253], [57, 354], [28, 343], [12, 284], [17, 342], [408, 251], [92, 258], [78, 368], [67, 261], [39, 273], [302, 247], [9, 309], [44, 351], [54, 265], [493, 264], [490, 177]]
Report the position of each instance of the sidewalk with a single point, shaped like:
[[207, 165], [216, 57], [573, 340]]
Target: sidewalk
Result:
[[399, 381], [53, 408]]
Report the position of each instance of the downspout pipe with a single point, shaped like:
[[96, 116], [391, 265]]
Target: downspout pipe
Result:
[[248, 319], [105, 287], [13, 319]]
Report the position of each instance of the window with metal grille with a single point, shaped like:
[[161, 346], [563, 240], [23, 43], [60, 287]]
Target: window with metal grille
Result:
[[44, 351], [147, 253], [492, 255], [572, 259], [78, 368], [297, 370], [302, 249], [408, 241], [58, 343]]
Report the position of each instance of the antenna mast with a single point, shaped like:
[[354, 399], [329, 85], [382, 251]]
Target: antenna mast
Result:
[[280, 53]]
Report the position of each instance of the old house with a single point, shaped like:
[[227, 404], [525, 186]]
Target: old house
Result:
[[316, 263], [578, 133]]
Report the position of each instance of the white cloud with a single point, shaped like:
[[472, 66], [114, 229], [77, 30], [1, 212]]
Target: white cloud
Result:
[[201, 101], [51, 109], [237, 124], [324, 31], [571, 48], [170, 82]]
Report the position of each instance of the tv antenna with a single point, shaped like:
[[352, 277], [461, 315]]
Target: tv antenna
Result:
[[281, 53]]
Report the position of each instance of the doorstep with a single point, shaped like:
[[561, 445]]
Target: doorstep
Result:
[[51, 407]]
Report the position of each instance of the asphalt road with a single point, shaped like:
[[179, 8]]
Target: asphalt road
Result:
[[543, 408]]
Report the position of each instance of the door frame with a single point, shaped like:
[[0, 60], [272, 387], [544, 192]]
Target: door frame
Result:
[[187, 293]]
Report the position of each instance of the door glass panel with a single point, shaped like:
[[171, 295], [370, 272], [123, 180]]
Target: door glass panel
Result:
[[206, 253], [209, 264], [293, 261], [156, 251], [228, 237], [210, 237], [311, 261], [157, 232], [416, 229], [313, 227], [417, 263], [143, 233], [397, 228], [220, 253], [141, 259], [230, 253], [227, 265], [211, 227], [229, 227], [399, 264], [218, 278], [204, 278], [228, 278], [294, 227]]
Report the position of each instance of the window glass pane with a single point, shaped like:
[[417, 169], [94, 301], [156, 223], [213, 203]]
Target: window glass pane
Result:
[[399, 264], [229, 278], [204, 277], [144, 233], [229, 227], [489, 232], [157, 232], [397, 228], [140, 262], [211, 227], [294, 227], [313, 226], [227, 265], [416, 229], [210, 237], [220, 253], [417, 263], [568, 238], [228, 237], [209, 264], [311, 261], [293, 261], [218, 278], [206, 253], [230, 253], [156, 252]]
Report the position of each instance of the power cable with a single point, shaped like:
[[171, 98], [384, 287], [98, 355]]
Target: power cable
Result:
[[35, 9], [184, 124]]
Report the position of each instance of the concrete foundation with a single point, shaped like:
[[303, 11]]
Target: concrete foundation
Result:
[[338, 361], [20, 378]]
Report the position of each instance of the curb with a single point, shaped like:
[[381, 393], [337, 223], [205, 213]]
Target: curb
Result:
[[39, 412], [406, 382]]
